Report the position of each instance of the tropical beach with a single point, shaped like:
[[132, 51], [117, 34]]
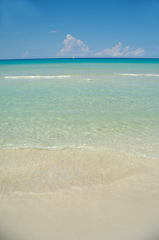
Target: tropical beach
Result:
[[113, 200], [79, 150], [79, 120]]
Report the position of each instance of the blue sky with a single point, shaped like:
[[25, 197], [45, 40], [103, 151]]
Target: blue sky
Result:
[[85, 28]]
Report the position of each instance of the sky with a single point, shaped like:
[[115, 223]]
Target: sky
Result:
[[79, 28]]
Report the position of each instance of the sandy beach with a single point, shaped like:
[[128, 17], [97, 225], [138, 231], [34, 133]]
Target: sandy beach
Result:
[[45, 197], [79, 149]]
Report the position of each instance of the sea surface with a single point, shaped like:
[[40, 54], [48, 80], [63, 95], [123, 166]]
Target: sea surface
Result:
[[60, 103], [79, 149]]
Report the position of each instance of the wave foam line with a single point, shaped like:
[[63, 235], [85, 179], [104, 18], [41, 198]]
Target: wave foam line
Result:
[[135, 75], [37, 77]]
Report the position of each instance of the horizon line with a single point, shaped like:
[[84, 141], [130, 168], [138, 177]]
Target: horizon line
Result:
[[43, 58]]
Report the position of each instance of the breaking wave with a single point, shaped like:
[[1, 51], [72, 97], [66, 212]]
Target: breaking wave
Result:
[[36, 77], [138, 74]]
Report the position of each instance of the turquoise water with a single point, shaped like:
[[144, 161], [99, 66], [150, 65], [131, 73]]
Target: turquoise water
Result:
[[58, 103]]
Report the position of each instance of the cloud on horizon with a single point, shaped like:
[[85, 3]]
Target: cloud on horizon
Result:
[[117, 51], [74, 47], [25, 55], [138, 52]]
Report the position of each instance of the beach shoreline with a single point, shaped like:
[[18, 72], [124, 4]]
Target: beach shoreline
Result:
[[47, 171], [121, 204], [79, 149]]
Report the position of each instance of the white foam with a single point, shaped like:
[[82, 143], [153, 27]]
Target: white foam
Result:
[[36, 77], [89, 79], [134, 74]]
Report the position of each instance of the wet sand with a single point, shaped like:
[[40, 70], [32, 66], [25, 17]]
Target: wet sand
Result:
[[78, 194]]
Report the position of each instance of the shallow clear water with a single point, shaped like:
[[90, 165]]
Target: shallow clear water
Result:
[[57, 103]]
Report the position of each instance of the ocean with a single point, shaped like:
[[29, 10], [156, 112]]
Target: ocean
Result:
[[60, 103], [77, 125]]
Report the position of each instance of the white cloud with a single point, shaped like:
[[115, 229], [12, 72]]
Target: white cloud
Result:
[[73, 46], [53, 31], [116, 51], [138, 52], [25, 54]]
